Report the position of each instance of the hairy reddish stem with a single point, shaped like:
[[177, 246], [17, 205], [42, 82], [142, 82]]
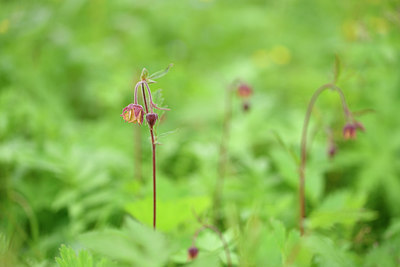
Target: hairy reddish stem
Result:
[[154, 178], [153, 144], [223, 155], [303, 156]]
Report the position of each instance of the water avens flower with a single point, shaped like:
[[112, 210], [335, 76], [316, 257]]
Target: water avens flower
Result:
[[244, 90], [133, 113], [349, 131]]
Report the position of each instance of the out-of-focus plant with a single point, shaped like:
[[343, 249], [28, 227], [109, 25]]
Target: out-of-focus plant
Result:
[[349, 132], [244, 92], [134, 113], [193, 251]]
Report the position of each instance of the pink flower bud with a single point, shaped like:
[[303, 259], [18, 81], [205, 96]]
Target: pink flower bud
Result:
[[193, 252], [151, 119], [246, 106], [332, 151], [133, 113]]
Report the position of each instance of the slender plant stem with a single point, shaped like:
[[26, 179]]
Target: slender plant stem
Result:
[[137, 135], [154, 178], [223, 155], [303, 156], [153, 144], [221, 237]]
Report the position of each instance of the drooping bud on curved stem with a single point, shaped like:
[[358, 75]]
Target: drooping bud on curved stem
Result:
[[349, 131], [331, 144]]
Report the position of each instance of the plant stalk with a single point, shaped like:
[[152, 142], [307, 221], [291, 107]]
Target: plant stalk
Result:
[[303, 155], [223, 157], [153, 144]]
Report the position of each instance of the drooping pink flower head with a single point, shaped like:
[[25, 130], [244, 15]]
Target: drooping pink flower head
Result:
[[193, 252], [133, 113], [244, 90], [350, 129]]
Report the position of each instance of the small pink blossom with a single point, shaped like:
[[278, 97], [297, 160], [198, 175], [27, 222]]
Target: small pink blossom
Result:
[[244, 90], [133, 113]]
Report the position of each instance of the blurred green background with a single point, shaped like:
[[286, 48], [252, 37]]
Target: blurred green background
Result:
[[69, 171]]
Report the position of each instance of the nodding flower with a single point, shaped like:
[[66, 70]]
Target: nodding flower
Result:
[[350, 129], [133, 113], [244, 90]]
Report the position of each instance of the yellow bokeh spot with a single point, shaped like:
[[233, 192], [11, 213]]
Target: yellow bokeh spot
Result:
[[261, 58], [349, 29], [379, 25], [280, 55], [4, 25]]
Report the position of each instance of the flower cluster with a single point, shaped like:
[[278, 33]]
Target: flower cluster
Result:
[[134, 113]]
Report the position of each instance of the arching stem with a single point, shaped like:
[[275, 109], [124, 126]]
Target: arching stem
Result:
[[303, 155]]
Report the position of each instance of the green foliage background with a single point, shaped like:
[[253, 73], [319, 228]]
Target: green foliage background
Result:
[[69, 186]]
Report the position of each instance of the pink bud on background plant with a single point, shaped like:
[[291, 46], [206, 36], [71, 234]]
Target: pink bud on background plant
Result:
[[193, 252], [350, 130], [244, 90], [332, 149]]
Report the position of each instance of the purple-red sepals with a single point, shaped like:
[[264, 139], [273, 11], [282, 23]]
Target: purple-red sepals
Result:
[[244, 90], [332, 151], [151, 119], [349, 131], [133, 113], [193, 252], [246, 106]]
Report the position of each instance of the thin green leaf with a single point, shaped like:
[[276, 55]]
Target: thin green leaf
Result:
[[160, 73]]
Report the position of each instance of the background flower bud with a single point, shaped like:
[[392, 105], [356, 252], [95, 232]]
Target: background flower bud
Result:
[[244, 90], [193, 252], [246, 106], [332, 149]]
